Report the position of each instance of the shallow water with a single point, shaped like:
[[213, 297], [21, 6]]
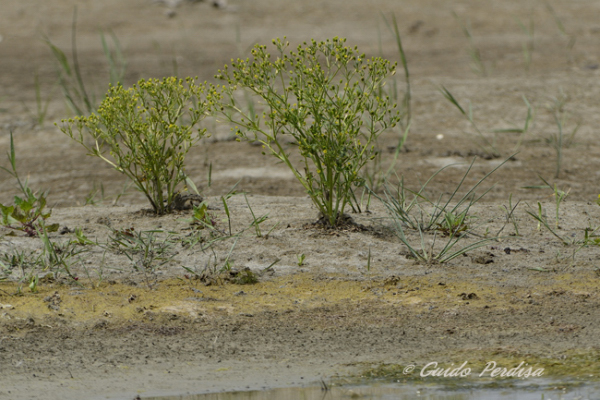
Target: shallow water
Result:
[[518, 391]]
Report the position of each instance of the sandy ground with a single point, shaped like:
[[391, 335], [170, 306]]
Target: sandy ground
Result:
[[357, 301]]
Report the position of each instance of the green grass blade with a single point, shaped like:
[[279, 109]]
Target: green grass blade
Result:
[[86, 99], [452, 99], [226, 208], [407, 94], [59, 55], [190, 184], [465, 249]]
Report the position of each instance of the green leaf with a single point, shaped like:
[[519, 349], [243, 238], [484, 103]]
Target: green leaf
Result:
[[18, 201], [27, 206], [7, 215], [52, 227], [190, 184], [539, 269], [200, 211], [20, 216]]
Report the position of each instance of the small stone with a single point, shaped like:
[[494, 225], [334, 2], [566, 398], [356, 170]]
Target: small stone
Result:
[[219, 3]]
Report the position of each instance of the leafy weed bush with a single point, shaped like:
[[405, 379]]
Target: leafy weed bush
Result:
[[324, 96], [148, 129]]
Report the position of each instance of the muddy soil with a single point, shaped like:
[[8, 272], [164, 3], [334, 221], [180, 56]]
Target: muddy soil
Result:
[[358, 300]]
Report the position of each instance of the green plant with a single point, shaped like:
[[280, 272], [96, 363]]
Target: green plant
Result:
[[207, 241], [28, 211], [590, 238], [90, 198], [148, 130], [526, 126], [117, 64], [144, 249], [301, 258], [406, 100], [54, 258], [81, 239], [560, 140], [510, 215], [428, 253], [477, 64], [69, 76], [212, 269], [419, 213], [486, 145], [27, 265], [224, 200], [529, 45], [559, 197], [416, 211], [257, 221], [209, 176], [59, 258], [325, 96], [41, 105], [78, 97], [245, 277], [201, 217], [561, 27], [374, 174], [454, 223]]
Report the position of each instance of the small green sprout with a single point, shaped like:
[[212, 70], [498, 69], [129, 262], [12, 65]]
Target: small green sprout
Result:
[[301, 258]]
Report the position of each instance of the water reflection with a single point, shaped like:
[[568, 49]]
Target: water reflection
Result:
[[406, 392]]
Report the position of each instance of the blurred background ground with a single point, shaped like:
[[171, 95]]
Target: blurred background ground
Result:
[[196, 39]]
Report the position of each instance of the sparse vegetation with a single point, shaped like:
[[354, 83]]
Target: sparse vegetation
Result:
[[78, 95], [529, 44], [324, 99], [374, 173], [558, 194], [477, 64], [450, 268], [559, 139], [414, 211], [144, 249], [257, 221], [490, 147]]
